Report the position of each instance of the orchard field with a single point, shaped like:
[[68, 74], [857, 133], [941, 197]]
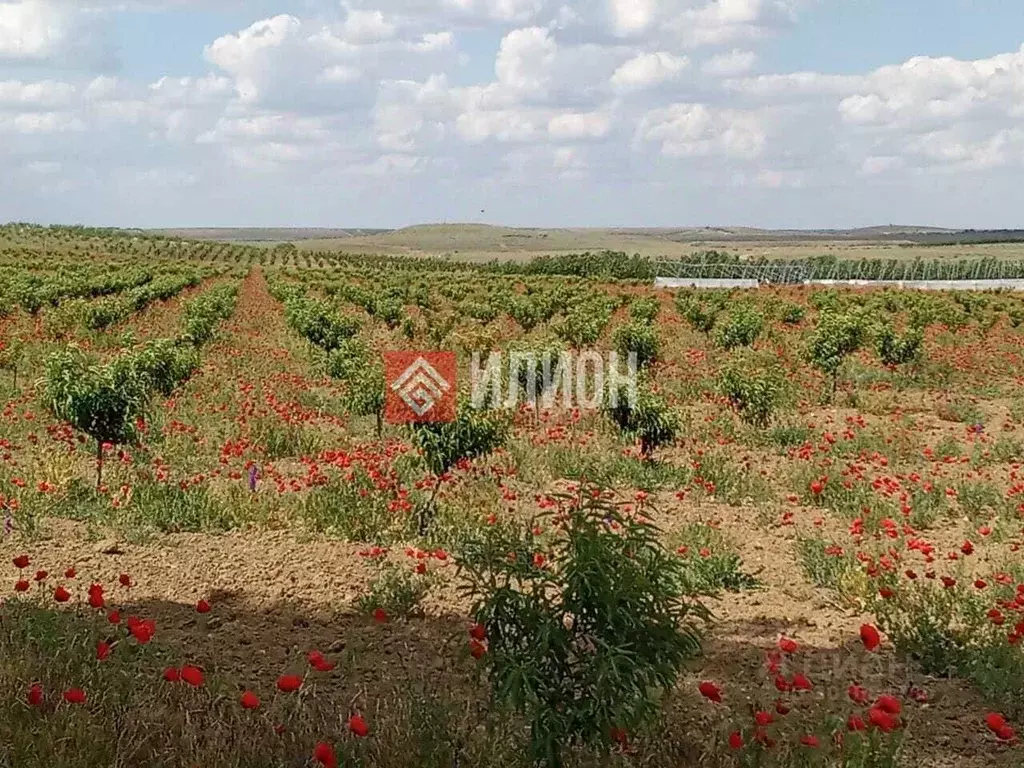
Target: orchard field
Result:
[[801, 547]]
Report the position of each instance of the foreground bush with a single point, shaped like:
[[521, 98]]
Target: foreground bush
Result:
[[582, 636]]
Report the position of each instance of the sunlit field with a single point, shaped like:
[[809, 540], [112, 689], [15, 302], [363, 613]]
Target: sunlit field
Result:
[[799, 548]]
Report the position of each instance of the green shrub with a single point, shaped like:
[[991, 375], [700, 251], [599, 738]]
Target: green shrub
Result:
[[753, 391], [645, 310], [701, 314], [835, 337], [894, 349], [741, 328], [103, 401], [649, 419], [585, 635], [640, 338]]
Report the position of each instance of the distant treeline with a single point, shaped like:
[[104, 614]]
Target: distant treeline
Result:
[[617, 265]]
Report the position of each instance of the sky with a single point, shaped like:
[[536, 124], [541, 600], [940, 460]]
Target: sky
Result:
[[386, 113]]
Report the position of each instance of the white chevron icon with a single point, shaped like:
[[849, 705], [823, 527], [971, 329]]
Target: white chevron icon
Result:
[[420, 386]]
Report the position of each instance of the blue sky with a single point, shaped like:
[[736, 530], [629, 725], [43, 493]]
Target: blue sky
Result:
[[776, 113]]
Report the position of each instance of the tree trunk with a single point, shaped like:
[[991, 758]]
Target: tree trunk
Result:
[[427, 510]]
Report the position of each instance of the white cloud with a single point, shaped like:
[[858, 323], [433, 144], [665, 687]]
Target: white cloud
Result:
[[573, 126], [39, 95], [730, 64], [48, 32], [646, 100], [524, 60], [648, 69], [630, 17], [367, 27], [697, 130], [32, 30]]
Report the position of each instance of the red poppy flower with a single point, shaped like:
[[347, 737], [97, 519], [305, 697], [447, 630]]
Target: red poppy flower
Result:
[[102, 650], [318, 662], [1006, 733], [358, 726], [172, 675], [96, 596], [889, 704], [35, 695], [995, 722], [857, 694], [781, 707], [710, 690], [380, 616], [74, 696], [870, 637], [125, 580], [736, 740], [22, 586], [809, 741], [249, 700], [202, 607], [70, 573], [289, 683], [477, 649], [61, 595], [323, 753], [141, 629], [478, 632], [763, 718], [855, 723], [41, 575], [192, 675], [802, 683], [786, 645], [883, 720], [21, 561], [114, 617]]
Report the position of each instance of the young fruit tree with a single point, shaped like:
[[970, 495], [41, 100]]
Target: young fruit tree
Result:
[[10, 357], [638, 337], [647, 418], [834, 338], [103, 401], [582, 634], [899, 349], [472, 434], [364, 395]]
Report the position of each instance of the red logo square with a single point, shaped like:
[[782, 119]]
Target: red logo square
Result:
[[420, 387]]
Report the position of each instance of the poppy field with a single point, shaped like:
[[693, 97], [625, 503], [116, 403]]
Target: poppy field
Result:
[[799, 546]]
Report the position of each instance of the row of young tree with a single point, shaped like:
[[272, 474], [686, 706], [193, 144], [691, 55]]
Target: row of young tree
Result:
[[110, 287], [108, 400]]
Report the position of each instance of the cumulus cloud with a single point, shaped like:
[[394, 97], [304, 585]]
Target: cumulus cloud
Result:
[[648, 69], [642, 100], [697, 130], [47, 32], [729, 64], [524, 60]]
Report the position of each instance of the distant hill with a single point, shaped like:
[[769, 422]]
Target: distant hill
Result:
[[480, 242]]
